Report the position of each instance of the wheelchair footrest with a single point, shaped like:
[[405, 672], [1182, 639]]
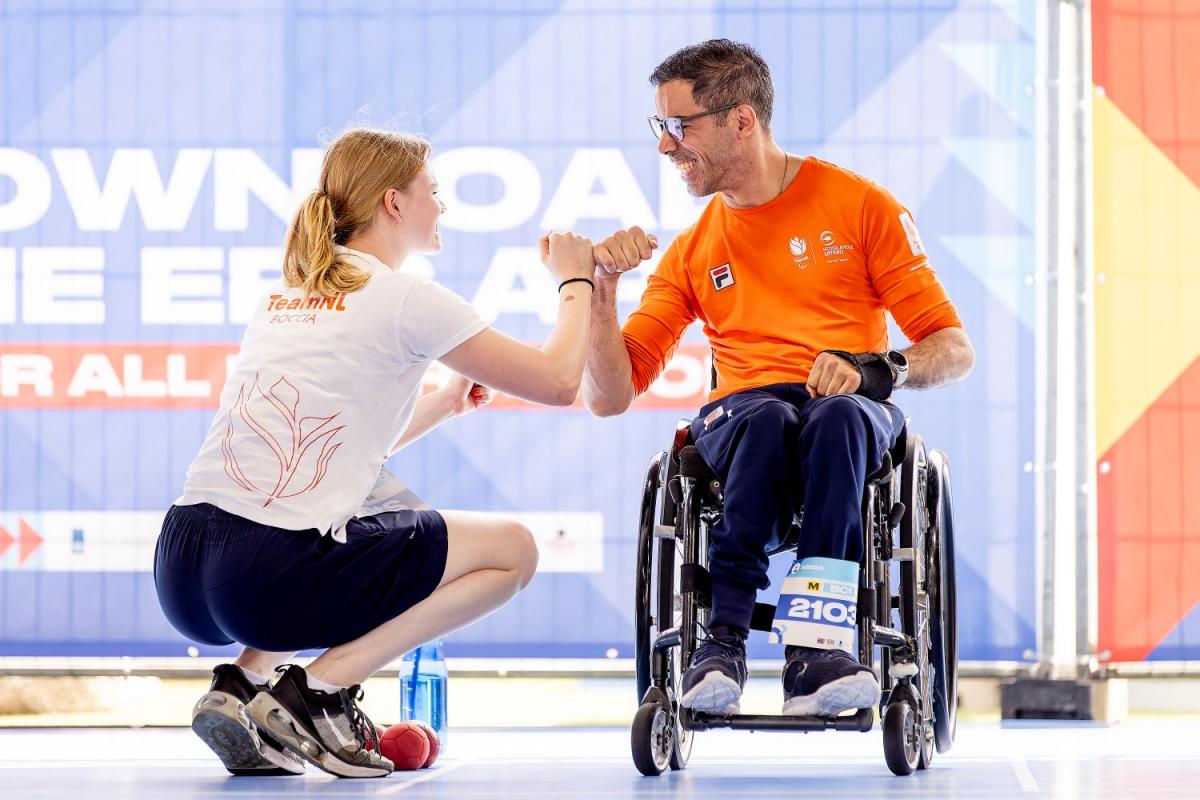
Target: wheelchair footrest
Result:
[[861, 721]]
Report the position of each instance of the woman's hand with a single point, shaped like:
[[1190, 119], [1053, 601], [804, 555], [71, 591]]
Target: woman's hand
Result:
[[465, 396], [568, 255]]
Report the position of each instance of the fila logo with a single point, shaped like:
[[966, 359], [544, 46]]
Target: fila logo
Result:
[[722, 276]]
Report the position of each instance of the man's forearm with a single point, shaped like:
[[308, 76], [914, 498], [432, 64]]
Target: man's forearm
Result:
[[607, 379], [941, 357]]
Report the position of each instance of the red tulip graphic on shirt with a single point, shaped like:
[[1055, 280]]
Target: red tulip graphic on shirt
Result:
[[302, 446]]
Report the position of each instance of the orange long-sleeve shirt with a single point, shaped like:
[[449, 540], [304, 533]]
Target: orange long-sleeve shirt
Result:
[[817, 268]]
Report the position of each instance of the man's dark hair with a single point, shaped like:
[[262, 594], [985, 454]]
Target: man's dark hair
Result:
[[721, 73]]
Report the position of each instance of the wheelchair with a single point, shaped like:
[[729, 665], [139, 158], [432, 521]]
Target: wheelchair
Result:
[[908, 614]]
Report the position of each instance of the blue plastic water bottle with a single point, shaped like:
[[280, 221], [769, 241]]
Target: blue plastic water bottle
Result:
[[423, 679]]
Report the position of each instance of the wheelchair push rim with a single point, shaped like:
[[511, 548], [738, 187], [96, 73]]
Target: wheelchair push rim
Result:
[[642, 579], [944, 633], [658, 674], [917, 619]]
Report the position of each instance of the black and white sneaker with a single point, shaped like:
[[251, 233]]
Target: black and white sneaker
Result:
[[824, 683], [327, 729], [714, 680], [219, 719]]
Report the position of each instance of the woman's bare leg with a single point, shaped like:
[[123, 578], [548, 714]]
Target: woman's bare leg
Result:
[[488, 560]]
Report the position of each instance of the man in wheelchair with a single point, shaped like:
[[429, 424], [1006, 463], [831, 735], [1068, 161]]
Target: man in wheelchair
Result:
[[792, 267]]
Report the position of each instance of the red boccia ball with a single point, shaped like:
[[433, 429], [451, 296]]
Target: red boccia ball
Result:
[[405, 745], [435, 744]]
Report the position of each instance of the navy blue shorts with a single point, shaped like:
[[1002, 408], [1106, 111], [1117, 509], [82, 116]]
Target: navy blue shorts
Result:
[[223, 579]]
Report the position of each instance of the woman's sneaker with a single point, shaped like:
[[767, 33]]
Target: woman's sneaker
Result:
[[327, 729], [219, 719], [824, 683], [713, 683]]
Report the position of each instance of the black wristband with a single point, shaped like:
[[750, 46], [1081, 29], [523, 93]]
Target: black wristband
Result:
[[876, 381], [588, 281]]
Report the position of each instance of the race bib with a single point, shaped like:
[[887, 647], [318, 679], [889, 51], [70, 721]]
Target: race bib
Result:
[[818, 605]]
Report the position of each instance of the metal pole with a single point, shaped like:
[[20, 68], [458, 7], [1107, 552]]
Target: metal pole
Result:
[[1046, 392], [1086, 601]]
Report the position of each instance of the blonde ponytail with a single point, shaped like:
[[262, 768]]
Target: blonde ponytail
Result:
[[359, 168], [309, 260]]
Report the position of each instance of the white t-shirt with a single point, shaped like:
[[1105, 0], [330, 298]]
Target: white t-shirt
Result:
[[321, 391]]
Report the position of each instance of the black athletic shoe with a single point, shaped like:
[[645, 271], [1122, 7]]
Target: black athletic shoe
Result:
[[327, 729], [714, 681], [824, 683], [219, 719]]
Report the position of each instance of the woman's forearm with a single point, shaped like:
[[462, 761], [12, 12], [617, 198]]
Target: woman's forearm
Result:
[[566, 346], [432, 410]]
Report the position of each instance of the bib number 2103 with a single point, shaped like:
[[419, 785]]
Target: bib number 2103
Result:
[[831, 611]]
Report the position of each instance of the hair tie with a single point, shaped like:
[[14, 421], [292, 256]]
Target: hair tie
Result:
[[588, 281]]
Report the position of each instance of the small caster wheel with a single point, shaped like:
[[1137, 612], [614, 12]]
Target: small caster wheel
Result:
[[681, 749], [652, 739], [928, 746], [901, 736]]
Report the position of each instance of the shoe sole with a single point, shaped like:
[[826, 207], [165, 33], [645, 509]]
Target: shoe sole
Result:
[[267, 713], [220, 721], [859, 690], [715, 693]]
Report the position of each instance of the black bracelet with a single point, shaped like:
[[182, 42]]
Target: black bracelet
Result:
[[588, 281]]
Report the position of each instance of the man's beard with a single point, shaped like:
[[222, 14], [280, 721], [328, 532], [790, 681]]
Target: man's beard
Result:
[[716, 175]]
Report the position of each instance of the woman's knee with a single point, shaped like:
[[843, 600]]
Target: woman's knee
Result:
[[524, 551], [483, 541], [517, 551]]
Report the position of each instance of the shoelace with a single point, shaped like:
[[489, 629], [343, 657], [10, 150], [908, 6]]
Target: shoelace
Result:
[[360, 723], [725, 643]]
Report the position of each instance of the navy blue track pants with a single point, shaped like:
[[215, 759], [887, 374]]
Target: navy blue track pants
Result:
[[774, 449]]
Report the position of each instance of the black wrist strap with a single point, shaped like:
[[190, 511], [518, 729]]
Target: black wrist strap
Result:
[[588, 281], [876, 377]]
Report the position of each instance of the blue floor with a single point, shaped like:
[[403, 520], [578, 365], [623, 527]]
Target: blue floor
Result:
[[1144, 758]]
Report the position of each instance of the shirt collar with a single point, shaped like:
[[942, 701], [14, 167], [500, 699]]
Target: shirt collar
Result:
[[366, 260]]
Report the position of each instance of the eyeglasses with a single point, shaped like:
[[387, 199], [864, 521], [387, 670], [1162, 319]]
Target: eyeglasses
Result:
[[674, 125]]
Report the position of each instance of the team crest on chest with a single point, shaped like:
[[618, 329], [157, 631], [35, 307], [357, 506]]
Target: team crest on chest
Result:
[[800, 250], [722, 276]]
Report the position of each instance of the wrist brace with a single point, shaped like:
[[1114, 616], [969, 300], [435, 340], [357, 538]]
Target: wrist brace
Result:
[[876, 376]]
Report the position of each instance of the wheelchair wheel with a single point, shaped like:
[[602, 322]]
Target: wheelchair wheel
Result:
[[928, 746], [681, 750], [902, 732], [943, 604], [670, 611], [652, 739], [656, 607], [916, 618], [643, 578]]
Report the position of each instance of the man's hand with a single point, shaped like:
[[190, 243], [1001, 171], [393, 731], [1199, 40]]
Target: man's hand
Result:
[[832, 375], [465, 396], [623, 251]]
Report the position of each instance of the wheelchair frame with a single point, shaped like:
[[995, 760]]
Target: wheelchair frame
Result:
[[907, 518]]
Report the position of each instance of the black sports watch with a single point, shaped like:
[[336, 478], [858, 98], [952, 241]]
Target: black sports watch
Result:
[[897, 362]]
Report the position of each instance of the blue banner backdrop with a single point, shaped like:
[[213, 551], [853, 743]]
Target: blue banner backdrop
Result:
[[151, 153]]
